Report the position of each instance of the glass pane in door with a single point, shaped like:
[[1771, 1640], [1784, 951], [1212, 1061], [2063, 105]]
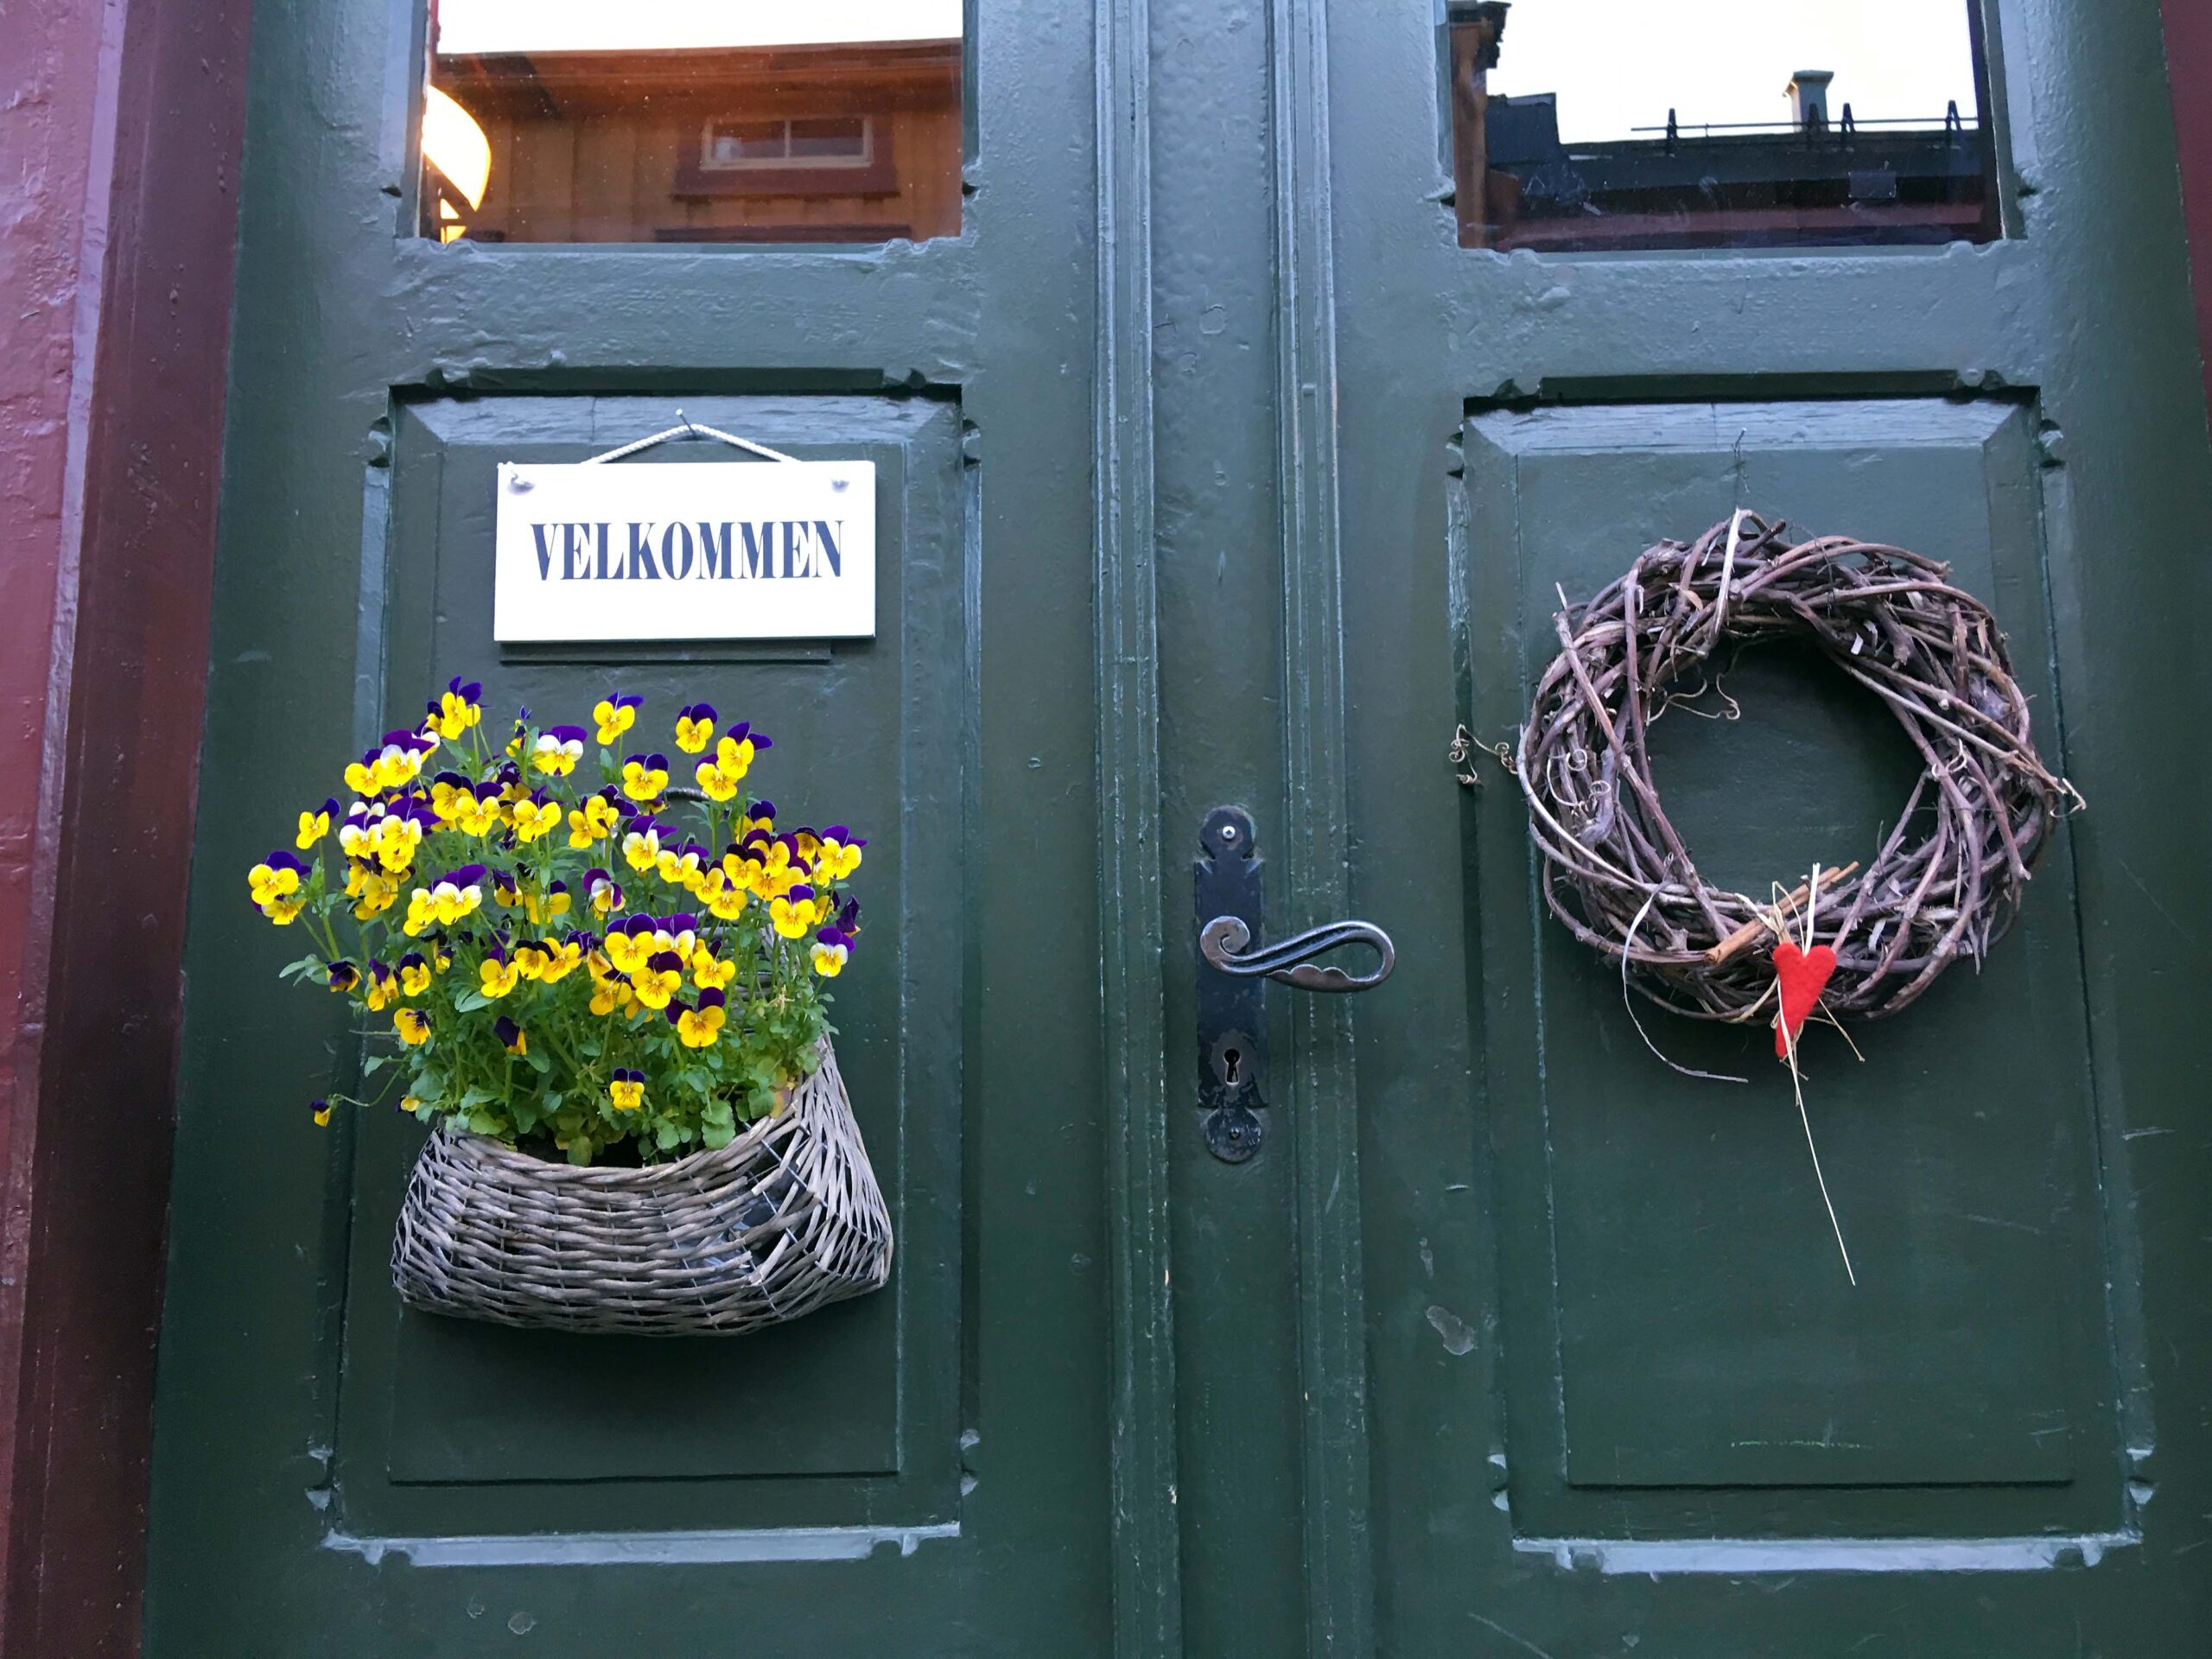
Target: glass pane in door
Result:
[[692, 121], [1590, 125]]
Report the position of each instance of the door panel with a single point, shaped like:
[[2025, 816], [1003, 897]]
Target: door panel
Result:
[[864, 1398], [1697, 1358]]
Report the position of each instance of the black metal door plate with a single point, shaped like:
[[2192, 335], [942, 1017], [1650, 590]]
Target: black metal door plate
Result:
[[1232, 1017]]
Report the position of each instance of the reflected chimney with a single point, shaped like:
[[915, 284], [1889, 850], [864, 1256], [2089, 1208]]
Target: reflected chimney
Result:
[[1808, 96]]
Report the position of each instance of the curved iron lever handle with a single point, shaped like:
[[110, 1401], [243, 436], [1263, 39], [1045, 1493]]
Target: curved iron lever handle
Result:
[[1222, 941]]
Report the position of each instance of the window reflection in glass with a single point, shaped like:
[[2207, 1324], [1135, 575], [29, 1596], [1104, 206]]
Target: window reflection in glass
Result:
[[692, 121], [1588, 124]]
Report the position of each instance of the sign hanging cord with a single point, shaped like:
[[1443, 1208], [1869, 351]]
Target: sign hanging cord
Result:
[[689, 429]]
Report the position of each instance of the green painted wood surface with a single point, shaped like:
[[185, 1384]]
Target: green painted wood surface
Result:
[[1620, 1398], [1511, 1341]]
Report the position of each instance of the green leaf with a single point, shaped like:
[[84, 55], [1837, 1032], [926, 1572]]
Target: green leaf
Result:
[[470, 1002], [486, 1122], [717, 1136]]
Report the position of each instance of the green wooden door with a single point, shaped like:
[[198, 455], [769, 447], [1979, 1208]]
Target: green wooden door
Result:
[[1621, 1397], [926, 1469], [1215, 471]]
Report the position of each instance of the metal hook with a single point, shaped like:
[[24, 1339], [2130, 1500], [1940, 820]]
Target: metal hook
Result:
[[689, 430]]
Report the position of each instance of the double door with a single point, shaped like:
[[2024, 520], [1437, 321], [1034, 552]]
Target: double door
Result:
[[1229, 456]]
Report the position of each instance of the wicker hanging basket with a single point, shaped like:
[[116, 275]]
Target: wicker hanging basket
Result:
[[784, 1219]]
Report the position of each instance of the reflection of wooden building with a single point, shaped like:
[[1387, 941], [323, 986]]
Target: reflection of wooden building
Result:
[[830, 143]]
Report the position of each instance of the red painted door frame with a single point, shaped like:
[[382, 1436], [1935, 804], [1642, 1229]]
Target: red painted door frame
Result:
[[2189, 77], [121, 157], [118, 167]]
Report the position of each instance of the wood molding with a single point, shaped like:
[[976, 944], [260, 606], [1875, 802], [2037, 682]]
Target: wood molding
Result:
[[1148, 1565], [1321, 1102]]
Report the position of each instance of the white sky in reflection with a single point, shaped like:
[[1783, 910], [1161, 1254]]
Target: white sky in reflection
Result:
[[676, 25], [1618, 64]]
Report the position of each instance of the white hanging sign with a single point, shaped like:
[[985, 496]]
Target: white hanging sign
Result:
[[782, 550]]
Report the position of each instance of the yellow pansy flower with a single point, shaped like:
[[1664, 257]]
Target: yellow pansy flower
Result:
[[734, 754], [455, 708], [561, 958], [534, 818], [837, 855], [593, 821], [713, 783], [641, 846], [276, 879], [497, 975], [542, 907], [659, 980], [702, 1026], [645, 781], [794, 912], [615, 715], [557, 750], [382, 989], [377, 893], [723, 898], [694, 727]]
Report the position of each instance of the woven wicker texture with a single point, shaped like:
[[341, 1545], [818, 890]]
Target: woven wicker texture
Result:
[[784, 1219]]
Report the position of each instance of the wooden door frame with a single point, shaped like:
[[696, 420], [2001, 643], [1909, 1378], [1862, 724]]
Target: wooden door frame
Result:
[[2189, 63], [115, 301], [115, 286]]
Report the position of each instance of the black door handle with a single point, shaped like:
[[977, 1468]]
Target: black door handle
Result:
[[1230, 911], [1223, 941]]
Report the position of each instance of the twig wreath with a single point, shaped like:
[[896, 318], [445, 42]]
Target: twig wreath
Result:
[[1949, 877]]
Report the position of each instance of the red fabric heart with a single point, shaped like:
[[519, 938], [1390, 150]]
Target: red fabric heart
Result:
[[1804, 975]]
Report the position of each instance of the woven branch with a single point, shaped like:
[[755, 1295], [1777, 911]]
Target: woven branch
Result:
[[1949, 878], [787, 1218]]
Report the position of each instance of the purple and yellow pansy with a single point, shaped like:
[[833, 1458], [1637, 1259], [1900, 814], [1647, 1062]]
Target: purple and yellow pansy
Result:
[[694, 727], [557, 750], [456, 709], [614, 715], [440, 893]]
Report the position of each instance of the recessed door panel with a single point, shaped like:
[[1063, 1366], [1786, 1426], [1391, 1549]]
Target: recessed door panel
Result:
[[1698, 1328], [451, 1425]]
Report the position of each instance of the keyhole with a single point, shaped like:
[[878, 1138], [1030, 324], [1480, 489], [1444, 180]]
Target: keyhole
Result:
[[1231, 1063]]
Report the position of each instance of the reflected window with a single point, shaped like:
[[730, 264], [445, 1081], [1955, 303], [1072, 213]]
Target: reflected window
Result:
[[692, 121], [1590, 125]]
